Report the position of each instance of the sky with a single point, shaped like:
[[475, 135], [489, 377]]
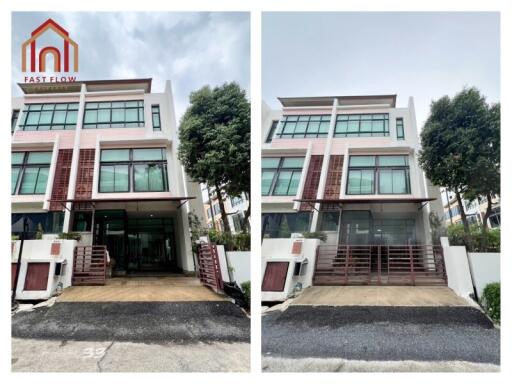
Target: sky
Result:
[[190, 49], [424, 55]]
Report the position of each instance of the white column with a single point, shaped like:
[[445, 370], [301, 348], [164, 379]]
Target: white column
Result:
[[325, 165], [74, 159]]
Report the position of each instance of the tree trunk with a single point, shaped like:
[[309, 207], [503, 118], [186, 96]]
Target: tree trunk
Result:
[[488, 213], [462, 212], [225, 221], [247, 214]]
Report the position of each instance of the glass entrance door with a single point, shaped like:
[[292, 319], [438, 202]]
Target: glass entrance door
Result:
[[110, 230]]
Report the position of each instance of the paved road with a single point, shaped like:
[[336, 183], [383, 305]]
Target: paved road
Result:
[[132, 337], [179, 322], [380, 334]]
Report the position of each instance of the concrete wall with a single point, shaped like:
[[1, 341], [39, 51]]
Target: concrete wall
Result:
[[280, 250], [485, 269], [38, 251], [239, 264], [468, 270]]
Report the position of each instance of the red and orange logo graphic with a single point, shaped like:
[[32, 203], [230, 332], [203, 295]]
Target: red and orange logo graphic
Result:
[[59, 56]]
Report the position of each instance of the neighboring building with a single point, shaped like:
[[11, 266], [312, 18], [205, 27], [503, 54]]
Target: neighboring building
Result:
[[100, 158], [346, 166], [235, 208], [475, 209]]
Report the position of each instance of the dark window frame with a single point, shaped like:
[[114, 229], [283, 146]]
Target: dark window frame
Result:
[[21, 173], [14, 119], [321, 118], [376, 174], [131, 163], [155, 111], [272, 131], [400, 129], [363, 117], [39, 108], [278, 170], [110, 123]]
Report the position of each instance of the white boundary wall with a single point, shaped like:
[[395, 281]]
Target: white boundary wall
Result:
[[467, 270]]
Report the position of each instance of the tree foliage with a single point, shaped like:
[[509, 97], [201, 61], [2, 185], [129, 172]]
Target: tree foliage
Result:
[[215, 141], [461, 146]]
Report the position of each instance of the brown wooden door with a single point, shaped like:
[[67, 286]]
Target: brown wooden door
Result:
[[275, 276], [37, 276]]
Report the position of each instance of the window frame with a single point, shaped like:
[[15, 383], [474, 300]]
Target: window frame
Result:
[[139, 123], [377, 168], [15, 114], [21, 172], [277, 171], [400, 135], [272, 131], [131, 163], [322, 118], [29, 108], [369, 117], [154, 113]]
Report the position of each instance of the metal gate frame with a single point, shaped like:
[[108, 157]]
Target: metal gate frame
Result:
[[209, 267]]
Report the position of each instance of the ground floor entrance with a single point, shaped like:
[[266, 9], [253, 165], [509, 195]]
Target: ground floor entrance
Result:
[[137, 243]]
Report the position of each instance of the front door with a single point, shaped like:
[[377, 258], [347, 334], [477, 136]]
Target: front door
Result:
[[110, 230]]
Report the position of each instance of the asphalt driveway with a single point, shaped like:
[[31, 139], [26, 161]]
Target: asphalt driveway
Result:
[[148, 322], [373, 333]]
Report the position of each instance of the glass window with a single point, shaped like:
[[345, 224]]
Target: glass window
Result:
[[29, 173], [302, 126], [281, 176], [145, 168], [117, 114], [390, 172], [329, 221], [282, 225], [14, 119], [44, 117], [272, 131], [362, 125], [155, 115], [400, 135]]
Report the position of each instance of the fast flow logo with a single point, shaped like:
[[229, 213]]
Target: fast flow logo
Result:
[[61, 57]]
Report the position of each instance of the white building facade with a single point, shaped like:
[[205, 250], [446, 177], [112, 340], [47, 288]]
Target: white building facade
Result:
[[100, 158]]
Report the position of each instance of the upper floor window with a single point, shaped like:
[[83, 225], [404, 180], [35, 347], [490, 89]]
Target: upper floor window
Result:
[[155, 116], [400, 134], [14, 119], [272, 131], [137, 170], [216, 209], [43, 117], [29, 173], [115, 114], [362, 125], [281, 176], [237, 200], [304, 126], [368, 175]]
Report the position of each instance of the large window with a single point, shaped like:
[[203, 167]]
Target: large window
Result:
[[281, 176], [400, 134], [48, 222], [304, 126], [362, 125], [155, 116], [368, 175], [44, 117], [29, 173], [115, 114], [138, 170], [282, 225]]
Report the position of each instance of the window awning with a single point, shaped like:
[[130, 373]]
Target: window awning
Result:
[[179, 199], [392, 200]]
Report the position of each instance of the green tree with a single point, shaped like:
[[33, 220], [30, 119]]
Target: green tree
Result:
[[215, 141], [460, 146]]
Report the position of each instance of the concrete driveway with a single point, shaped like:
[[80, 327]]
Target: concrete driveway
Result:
[[419, 335]]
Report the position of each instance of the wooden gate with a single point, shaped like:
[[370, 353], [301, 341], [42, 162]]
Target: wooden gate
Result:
[[380, 265], [90, 265], [209, 268]]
